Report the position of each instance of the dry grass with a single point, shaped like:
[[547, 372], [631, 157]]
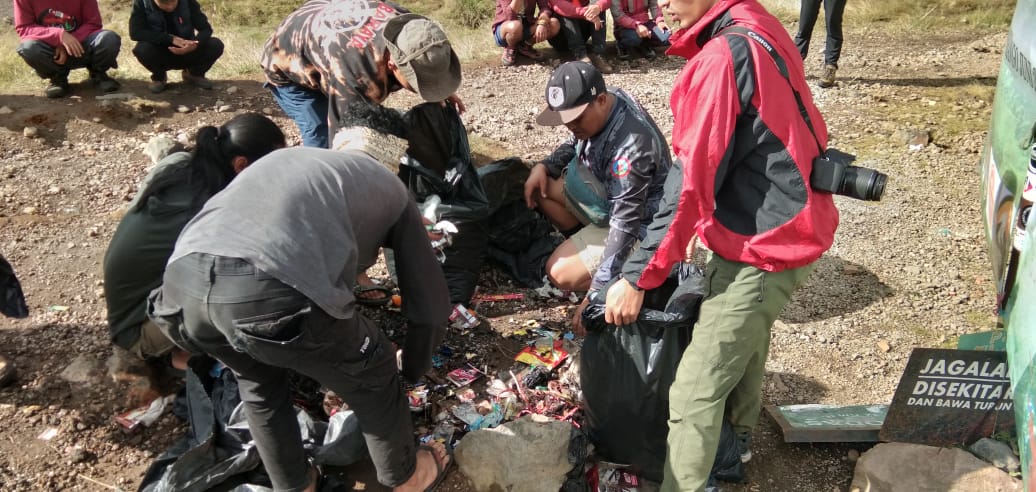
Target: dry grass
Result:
[[244, 25]]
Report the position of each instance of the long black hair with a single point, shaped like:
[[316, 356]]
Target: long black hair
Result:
[[249, 135]]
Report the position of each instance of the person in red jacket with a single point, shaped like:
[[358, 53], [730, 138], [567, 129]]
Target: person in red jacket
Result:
[[746, 149], [638, 24], [517, 27], [61, 35]]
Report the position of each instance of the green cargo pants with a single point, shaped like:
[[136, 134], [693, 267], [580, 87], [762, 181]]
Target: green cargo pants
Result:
[[721, 372]]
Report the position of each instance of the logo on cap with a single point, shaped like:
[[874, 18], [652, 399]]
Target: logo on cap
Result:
[[555, 96]]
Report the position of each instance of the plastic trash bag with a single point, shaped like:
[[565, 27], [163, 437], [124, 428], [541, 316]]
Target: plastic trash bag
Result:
[[218, 451], [439, 163], [520, 239], [12, 300], [626, 372]]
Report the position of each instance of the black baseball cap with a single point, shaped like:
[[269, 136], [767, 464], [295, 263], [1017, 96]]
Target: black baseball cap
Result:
[[571, 88]]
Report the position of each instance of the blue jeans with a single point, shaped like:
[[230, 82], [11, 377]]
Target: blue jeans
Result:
[[309, 110], [629, 38]]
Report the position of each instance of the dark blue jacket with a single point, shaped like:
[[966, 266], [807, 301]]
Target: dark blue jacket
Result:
[[150, 24]]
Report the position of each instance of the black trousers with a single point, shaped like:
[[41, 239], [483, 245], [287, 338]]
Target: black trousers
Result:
[[260, 327], [575, 32], [158, 59], [833, 10]]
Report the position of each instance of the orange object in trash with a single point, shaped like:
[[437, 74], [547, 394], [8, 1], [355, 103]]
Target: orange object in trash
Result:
[[397, 300]]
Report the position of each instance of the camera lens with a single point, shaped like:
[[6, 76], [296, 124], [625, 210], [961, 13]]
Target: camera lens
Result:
[[863, 184]]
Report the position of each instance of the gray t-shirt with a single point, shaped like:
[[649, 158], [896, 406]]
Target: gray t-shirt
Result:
[[313, 219]]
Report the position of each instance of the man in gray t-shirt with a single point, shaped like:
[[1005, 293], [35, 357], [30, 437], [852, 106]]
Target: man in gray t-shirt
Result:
[[262, 279]]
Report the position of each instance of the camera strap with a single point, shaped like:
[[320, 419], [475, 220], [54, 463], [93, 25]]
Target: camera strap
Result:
[[782, 67]]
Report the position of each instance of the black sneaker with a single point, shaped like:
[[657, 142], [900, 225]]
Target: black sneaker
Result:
[[105, 83], [622, 52], [58, 87], [744, 447], [649, 53]]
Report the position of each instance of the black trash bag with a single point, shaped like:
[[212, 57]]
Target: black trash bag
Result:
[[626, 372], [218, 451], [520, 239], [12, 299], [439, 163]]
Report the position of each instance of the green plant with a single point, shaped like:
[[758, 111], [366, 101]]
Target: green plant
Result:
[[470, 13]]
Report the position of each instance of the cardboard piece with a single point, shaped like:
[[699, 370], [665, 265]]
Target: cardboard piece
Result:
[[828, 423]]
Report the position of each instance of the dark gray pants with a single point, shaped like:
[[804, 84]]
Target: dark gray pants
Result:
[[158, 59], [833, 10], [258, 326], [575, 32], [100, 51]]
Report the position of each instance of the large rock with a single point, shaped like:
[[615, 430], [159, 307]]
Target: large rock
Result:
[[527, 455], [160, 146], [901, 467], [84, 369]]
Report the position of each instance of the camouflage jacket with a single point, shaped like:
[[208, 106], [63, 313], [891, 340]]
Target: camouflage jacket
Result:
[[335, 47]]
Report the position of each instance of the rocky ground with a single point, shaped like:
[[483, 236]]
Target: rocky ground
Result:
[[909, 271]]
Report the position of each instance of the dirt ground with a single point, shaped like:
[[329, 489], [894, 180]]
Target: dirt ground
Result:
[[909, 271]]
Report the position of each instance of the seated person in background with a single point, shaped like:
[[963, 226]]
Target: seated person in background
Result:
[[635, 23], [582, 20], [58, 36], [173, 192], [517, 28], [607, 177], [173, 34]]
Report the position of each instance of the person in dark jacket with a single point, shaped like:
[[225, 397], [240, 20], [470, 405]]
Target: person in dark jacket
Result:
[[604, 182], [172, 193], [173, 35], [746, 151]]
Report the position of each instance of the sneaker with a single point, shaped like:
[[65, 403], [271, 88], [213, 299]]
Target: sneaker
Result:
[[526, 50], [156, 86], [508, 57], [58, 87], [198, 81], [649, 53], [744, 446], [828, 77], [622, 52], [602, 65], [105, 82]]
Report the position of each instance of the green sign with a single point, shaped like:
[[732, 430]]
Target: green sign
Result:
[[829, 423]]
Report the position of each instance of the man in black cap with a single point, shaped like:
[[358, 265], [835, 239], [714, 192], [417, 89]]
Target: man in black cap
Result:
[[602, 186]]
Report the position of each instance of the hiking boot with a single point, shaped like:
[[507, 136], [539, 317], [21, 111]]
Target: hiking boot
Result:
[[7, 371], [744, 446], [58, 87], [602, 65], [104, 82], [649, 53], [827, 79], [526, 50], [508, 57], [622, 52], [156, 86], [198, 81]]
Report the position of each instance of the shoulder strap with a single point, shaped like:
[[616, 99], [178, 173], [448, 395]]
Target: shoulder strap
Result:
[[782, 67]]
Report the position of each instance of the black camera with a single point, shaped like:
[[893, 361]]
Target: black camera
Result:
[[833, 173]]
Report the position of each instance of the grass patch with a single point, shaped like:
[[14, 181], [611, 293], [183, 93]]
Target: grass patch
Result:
[[922, 15], [244, 25]]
